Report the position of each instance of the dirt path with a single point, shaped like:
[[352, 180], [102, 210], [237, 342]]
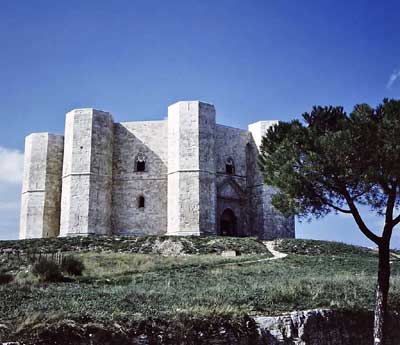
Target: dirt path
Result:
[[395, 255], [271, 248]]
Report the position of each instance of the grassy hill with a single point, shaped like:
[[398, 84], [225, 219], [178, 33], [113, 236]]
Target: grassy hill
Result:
[[128, 283]]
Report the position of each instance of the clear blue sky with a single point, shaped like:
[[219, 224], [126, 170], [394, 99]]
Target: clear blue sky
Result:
[[268, 59]]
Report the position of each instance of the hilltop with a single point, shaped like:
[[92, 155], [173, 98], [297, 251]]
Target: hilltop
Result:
[[128, 288]]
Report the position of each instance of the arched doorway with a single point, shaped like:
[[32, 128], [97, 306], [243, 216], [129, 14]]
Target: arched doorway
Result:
[[228, 223]]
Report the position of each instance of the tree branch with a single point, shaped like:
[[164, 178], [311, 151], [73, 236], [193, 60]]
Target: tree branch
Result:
[[336, 207], [390, 205], [388, 228], [356, 214], [396, 220], [354, 197], [325, 201], [384, 185]]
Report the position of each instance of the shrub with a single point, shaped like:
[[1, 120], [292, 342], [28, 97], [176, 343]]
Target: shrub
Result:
[[72, 265], [5, 277], [25, 277], [47, 270]]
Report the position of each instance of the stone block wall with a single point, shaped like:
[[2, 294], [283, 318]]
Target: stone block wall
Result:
[[207, 169], [231, 144], [148, 139], [191, 168], [324, 326], [184, 189], [87, 173], [275, 224], [258, 130], [268, 222], [41, 187]]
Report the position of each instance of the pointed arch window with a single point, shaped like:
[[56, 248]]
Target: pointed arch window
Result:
[[140, 162], [229, 166]]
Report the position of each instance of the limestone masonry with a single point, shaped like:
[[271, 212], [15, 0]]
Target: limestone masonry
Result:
[[185, 175]]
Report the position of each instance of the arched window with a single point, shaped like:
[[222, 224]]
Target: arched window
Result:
[[229, 166], [140, 162], [141, 201]]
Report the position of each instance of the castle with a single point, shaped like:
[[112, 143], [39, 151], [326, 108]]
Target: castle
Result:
[[185, 175]]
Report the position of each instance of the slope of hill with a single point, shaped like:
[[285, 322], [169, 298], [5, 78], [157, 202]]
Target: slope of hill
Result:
[[127, 291]]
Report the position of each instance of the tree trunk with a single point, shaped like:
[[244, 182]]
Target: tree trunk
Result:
[[381, 293]]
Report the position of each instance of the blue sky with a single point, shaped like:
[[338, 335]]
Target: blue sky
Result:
[[255, 60]]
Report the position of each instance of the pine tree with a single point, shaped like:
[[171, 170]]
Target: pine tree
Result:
[[336, 162]]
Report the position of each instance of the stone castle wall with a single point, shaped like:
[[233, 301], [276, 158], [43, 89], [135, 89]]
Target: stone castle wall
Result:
[[41, 186], [148, 138], [207, 168], [185, 188], [87, 173], [268, 222], [191, 168], [231, 143]]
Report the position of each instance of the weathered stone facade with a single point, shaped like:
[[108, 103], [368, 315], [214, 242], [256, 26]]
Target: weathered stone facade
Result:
[[41, 188], [185, 175]]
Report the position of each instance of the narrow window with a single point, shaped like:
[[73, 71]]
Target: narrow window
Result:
[[141, 202], [229, 167], [140, 166], [140, 162]]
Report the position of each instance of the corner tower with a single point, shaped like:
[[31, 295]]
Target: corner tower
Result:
[[41, 188], [87, 173], [191, 169], [267, 221]]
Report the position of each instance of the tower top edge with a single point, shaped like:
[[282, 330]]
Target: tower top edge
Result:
[[42, 134], [193, 101], [88, 111], [270, 122]]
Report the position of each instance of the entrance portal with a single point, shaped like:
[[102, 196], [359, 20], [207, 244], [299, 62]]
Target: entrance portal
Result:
[[228, 223]]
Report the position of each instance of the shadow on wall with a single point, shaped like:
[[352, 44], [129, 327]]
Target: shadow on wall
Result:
[[139, 198], [232, 218]]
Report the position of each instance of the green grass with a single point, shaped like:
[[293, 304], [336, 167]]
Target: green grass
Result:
[[126, 287], [315, 247], [14, 254], [296, 282], [140, 245], [123, 266]]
